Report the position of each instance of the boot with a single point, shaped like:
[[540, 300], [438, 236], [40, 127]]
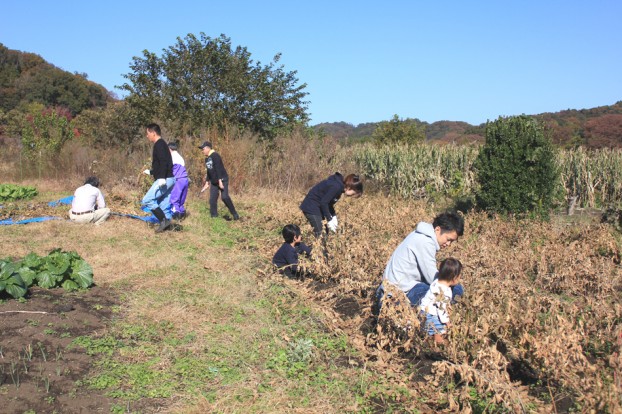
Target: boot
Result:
[[164, 222]]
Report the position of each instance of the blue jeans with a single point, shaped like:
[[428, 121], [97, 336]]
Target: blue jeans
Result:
[[418, 292], [433, 324], [160, 197]]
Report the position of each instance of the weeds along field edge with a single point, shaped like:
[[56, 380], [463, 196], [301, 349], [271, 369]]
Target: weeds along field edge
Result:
[[541, 321]]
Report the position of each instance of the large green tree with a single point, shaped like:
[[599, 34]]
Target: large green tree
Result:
[[399, 131], [204, 83]]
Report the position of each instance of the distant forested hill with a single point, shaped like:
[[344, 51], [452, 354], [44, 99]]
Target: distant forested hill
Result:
[[594, 128], [27, 78]]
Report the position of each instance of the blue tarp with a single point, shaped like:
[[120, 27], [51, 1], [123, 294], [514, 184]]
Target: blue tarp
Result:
[[26, 221], [67, 200]]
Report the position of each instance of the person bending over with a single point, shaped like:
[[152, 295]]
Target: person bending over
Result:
[[319, 203], [412, 266]]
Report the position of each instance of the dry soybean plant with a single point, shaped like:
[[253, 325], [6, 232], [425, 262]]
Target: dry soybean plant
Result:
[[539, 328]]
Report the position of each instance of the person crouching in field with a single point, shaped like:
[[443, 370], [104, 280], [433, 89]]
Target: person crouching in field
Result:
[[180, 189], [286, 258], [412, 266], [436, 304], [320, 202], [88, 205]]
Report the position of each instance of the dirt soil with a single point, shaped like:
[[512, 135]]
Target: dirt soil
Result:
[[38, 367]]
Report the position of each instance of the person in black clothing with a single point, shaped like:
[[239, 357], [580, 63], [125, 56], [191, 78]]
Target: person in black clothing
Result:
[[217, 180], [320, 202], [286, 258], [158, 197]]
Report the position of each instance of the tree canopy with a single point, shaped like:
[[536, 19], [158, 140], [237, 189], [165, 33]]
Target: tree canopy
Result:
[[399, 131], [26, 78], [204, 83]]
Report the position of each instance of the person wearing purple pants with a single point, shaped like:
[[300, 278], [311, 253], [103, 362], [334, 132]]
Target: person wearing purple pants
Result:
[[180, 189]]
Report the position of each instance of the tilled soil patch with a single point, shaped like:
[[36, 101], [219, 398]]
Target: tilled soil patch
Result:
[[39, 371]]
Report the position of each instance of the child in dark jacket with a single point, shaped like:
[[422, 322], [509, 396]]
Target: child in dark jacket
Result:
[[286, 258]]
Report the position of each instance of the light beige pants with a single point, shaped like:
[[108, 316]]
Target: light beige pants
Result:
[[97, 217]]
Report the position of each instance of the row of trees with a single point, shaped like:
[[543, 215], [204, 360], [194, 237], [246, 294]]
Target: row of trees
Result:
[[202, 83], [26, 78]]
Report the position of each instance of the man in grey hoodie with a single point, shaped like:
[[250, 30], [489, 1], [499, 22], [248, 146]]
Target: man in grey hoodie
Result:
[[412, 266]]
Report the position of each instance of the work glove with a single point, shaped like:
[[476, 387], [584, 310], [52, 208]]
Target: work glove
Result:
[[332, 224], [148, 172], [161, 182]]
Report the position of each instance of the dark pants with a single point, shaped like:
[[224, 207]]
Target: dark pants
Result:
[[214, 192], [316, 223]]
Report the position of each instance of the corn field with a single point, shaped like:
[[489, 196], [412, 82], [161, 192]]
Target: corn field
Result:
[[593, 177]]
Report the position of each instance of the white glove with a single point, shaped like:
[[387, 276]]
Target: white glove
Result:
[[148, 172], [161, 182], [332, 224], [336, 223]]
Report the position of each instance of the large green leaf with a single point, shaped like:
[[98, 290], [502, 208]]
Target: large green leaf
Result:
[[15, 286], [7, 270], [57, 263], [31, 260], [70, 285], [82, 273], [28, 275], [46, 280]]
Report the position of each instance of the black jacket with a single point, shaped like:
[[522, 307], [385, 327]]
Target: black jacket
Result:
[[162, 161], [215, 168], [287, 255], [321, 199]]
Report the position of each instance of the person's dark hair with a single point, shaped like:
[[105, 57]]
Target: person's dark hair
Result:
[[449, 221], [154, 128], [173, 146], [290, 232], [94, 181], [450, 269], [353, 182]]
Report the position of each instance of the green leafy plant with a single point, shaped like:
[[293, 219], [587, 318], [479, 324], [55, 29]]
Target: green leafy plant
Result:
[[10, 280], [58, 269], [12, 192]]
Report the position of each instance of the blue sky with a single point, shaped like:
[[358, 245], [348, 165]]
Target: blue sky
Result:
[[362, 61]]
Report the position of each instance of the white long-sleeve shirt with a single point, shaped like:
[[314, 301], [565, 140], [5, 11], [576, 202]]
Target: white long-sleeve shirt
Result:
[[436, 301], [86, 198]]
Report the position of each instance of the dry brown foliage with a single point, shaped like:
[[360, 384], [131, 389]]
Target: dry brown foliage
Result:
[[539, 327]]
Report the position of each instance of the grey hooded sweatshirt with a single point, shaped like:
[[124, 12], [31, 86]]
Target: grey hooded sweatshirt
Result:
[[414, 260]]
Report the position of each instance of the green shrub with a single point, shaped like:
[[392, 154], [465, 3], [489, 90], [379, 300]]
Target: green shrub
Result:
[[516, 169], [11, 192]]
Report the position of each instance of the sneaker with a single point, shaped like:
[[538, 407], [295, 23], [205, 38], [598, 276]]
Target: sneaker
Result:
[[236, 217], [165, 224]]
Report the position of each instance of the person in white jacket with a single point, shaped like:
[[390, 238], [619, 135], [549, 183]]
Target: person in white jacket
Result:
[[436, 304], [412, 266]]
